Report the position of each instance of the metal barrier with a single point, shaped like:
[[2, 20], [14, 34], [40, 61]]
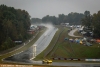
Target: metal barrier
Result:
[[69, 59]]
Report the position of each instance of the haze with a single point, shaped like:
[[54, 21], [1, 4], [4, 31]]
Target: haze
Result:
[[41, 8]]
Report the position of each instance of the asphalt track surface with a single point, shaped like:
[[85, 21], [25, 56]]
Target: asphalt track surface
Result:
[[71, 33]]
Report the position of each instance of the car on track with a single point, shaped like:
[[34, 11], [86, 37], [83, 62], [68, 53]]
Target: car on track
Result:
[[47, 61]]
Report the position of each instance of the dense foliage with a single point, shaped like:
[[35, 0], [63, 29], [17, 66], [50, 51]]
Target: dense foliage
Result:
[[71, 18], [35, 20], [14, 24], [92, 21]]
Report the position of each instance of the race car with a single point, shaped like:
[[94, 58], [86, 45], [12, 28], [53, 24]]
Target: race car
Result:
[[47, 61]]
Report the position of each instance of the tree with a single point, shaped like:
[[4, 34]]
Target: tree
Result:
[[87, 19], [35, 20], [96, 24], [72, 18], [14, 24], [51, 19], [61, 18]]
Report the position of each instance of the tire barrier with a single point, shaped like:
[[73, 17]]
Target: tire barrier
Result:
[[69, 59]]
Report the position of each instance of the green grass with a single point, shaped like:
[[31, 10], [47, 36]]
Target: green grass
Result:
[[81, 51], [77, 34]]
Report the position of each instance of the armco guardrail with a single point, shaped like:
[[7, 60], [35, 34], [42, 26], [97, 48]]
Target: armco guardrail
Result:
[[69, 59]]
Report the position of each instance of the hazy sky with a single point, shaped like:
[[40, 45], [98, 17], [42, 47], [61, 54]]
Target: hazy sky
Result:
[[41, 8]]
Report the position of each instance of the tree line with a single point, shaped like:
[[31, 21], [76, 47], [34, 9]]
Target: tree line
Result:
[[93, 22], [72, 18], [14, 24]]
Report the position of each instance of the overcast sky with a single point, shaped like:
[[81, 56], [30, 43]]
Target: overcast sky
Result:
[[41, 8]]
